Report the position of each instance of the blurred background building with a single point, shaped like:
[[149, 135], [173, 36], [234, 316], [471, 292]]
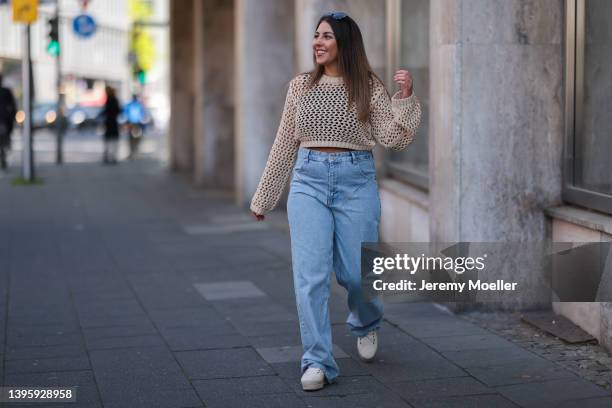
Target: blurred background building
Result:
[[515, 144], [89, 64]]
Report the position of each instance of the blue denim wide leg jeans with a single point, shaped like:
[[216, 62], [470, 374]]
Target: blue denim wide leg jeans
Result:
[[333, 206]]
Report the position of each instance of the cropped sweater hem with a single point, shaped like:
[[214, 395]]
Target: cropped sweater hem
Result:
[[330, 143]]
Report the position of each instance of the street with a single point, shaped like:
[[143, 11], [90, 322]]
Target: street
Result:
[[80, 145]]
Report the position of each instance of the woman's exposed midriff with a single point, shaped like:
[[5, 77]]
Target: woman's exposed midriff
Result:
[[330, 149]]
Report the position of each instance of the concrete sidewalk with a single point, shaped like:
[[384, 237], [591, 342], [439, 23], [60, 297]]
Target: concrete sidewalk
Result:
[[146, 292]]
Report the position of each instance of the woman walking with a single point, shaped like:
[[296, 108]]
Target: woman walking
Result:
[[332, 118]]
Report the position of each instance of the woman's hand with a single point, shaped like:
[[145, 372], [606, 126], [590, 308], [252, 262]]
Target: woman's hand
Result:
[[259, 217], [404, 80]]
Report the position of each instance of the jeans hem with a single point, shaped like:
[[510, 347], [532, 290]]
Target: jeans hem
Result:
[[362, 331]]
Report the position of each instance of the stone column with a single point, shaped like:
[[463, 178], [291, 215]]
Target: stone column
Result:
[[264, 66], [181, 84], [214, 85], [496, 124]]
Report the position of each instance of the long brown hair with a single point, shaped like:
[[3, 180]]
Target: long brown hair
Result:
[[353, 64]]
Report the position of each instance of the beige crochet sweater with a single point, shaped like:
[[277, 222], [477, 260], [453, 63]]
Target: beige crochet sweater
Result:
[[320, 117]]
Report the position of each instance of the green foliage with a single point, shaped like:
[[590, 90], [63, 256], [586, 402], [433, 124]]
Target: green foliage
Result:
[[20, 181]]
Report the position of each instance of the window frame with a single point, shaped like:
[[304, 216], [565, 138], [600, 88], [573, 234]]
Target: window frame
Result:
[[395, 169], [574, 111]]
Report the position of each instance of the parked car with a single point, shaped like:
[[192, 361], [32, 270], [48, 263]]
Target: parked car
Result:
[[82, 117], [44, 115]]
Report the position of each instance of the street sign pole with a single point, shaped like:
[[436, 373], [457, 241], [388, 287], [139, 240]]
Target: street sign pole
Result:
[[26, 11], [59, 117], [26, 62]]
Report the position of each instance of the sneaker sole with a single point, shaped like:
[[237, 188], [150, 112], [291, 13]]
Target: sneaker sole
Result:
[[313, 387]]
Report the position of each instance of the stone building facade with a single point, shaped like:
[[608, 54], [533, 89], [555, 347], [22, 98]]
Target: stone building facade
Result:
[[515, 143]]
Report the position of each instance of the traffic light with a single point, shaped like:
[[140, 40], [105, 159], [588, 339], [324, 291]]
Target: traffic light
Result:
[[142, 77], [53, 47]]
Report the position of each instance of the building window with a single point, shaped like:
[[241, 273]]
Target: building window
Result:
[[588, 96], [408, 48]]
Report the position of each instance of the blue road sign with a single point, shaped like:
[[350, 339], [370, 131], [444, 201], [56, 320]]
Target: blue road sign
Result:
[[84, 25]]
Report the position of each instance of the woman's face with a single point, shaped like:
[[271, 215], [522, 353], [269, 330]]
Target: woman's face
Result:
[[324, 44]]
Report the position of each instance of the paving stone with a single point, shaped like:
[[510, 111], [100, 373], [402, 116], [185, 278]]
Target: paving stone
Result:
[[98, 286], [601, 402], [25, 353], [264, 313], [113, 320], [476, 342], [158, 397], [522, 371], [123, 306], [286, 354], [265, 328], [390, 338], [348, 367], [51, 379], [228, 290], [393, 335], [146, 340], [47, 335], [288, 400], [169, 300], [47, 364], [394, 352], [224, 229], [57, 316], [140, 328], [415, 313], [344, 386], [465, 401], [218, 391], [488, 357], [226, 363], [445, 328], [378, 400], [551, 393], [84, 298], [196, 338], [276, 340], [141, 378], [388, 371], [257, 309], [250, 254], [201, 317], [445, 387]]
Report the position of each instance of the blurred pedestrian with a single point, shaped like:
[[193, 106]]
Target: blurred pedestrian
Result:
[[110, 112], [135, 117], [333, 117], [8, 109]]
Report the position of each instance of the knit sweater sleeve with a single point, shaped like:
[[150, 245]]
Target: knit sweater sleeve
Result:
[[395, 121], [280, 160]]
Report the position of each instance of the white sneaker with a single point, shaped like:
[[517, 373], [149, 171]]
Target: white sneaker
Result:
[[313, 379], [367, 346]]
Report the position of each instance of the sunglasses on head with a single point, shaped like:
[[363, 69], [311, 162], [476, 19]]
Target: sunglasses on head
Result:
[[336, 15]]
